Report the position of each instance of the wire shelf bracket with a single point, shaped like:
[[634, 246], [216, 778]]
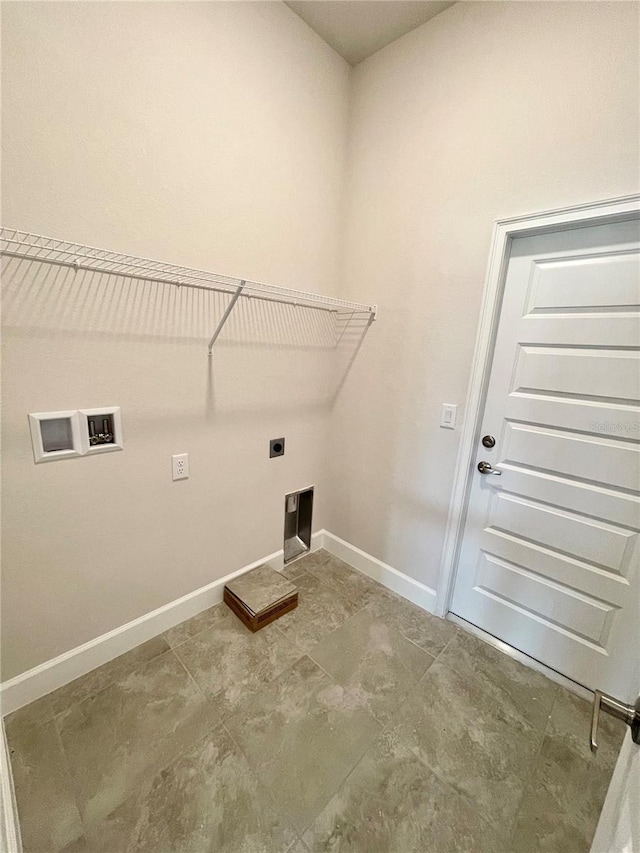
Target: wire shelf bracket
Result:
[[25, 245], [225, 316]]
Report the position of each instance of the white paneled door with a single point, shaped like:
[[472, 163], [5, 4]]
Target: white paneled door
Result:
[[549, 561]]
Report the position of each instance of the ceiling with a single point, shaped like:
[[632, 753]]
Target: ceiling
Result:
[[357, 28]]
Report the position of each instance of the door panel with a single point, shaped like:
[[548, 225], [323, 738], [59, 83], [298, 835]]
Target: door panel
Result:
[[587, 538], [537, 596], [585, 498], [571, 571], [570, 414], [611, 374], [549, 558], [609, 282], [610, 461], [577, 329]]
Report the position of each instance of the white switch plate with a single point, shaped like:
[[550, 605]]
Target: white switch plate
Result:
[[448, 416], [180, 466]]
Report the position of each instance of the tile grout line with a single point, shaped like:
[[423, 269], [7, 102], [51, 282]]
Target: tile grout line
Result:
[[159, 769], [327, 635], [328, 674], [73, 782], [442, 650], [291, 642], [358, 760], [110, 683], [54, 718], [333, 630], [534, 766], [191, 676], [220, 604], [390, 592], [300, 834], [451, 787], [343, 781], [466, 797], [209, 699], [352, 568], [566, 742], [54, 715], [250, 693], [261, 785], [146, 783], [396, 662]]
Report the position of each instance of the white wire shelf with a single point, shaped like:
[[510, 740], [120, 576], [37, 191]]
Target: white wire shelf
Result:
[[50, 250]]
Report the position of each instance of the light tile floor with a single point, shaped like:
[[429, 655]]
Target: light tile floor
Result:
[[355, 723]]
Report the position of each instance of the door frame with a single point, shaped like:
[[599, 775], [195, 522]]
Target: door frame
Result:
[[504, 232]]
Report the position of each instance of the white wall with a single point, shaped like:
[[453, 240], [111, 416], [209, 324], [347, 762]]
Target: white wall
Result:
[[205, 134], [489, 110]]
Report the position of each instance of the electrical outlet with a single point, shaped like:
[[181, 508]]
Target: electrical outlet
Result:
[[180, 466]]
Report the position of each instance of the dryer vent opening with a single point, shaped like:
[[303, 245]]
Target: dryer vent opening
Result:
[[298, 513]]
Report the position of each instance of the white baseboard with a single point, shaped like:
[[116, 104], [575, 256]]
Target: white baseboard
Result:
[[55, 673], [406, 586], [10, 841]]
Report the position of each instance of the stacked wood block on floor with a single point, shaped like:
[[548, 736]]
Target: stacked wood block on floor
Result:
[[260, 596]]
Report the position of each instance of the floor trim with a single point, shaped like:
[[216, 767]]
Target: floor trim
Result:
[[532, 663], [10, 840], [55, 673], [406, 586]]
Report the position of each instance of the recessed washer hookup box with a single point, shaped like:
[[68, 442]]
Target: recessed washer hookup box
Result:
[[260, 596]]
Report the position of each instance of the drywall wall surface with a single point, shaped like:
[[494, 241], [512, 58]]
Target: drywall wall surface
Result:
[[206, 134], [209, 134], [490, 110]]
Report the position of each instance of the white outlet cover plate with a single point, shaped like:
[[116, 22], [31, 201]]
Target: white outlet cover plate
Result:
[[180, 466], [448, 416]]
